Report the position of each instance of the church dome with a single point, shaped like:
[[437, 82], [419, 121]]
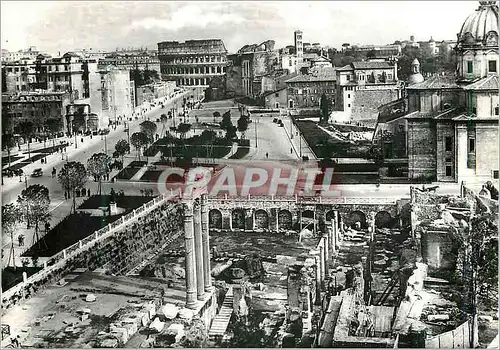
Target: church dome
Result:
[[416, 77], [481, 27]]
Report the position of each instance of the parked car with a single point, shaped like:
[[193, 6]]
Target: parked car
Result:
[[95, 132], [37, 172], [87, 133], [104, 132]]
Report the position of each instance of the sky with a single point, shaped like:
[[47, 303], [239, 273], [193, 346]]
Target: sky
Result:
[[61, 26]]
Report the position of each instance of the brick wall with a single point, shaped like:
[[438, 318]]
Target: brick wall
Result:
[[366, 102], [421, 148]]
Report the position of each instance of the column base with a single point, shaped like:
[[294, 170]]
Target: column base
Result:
[[202, 297]]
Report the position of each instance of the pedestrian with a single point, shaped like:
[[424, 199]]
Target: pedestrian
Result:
[[267, 155], [81, 139], [20, 239], [88, 192], [65, 195], [291, 151]]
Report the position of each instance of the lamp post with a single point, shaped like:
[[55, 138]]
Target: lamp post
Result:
[[255, 126]]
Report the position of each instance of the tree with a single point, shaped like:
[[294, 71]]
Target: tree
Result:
[[243, 125], [34, 202], [226, 121], [10, 218], [164, 118], [231, 132], [26, 130], [196, 335], [53, 126], [183, 129], [139, 140], [149, 128], [73, 175], [216, 115], [323, 105], [121, 148], [97, 166], [8, 142]]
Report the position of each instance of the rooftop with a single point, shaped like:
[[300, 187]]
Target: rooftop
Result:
[[319, 74], [436, 82], [372, 65], [488, 83]]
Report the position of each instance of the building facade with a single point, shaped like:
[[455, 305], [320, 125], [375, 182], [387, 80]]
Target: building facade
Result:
[[250, 64], [364, 86], [150, 92], [130, 60], [304, 91], [36, 107], [192, 63], [452, 121]]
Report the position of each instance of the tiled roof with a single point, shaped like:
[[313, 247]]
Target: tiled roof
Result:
[[488, 83], [371, 65], [436, 82], [345, 68], [320, 74]]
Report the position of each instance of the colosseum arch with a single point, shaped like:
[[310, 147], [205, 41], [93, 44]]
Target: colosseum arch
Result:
[[261, 219], [383, 219], [215, 219], [285, 220], [356, 216], [238, 219]]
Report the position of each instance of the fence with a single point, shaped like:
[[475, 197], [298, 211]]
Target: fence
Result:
[[310, 199], [459, 337], [60, 259]]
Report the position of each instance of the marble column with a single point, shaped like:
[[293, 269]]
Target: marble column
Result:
[[205, 235], [190, 258], [200, 283]]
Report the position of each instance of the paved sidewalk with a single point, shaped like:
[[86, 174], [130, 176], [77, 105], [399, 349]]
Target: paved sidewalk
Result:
[[299, 143]]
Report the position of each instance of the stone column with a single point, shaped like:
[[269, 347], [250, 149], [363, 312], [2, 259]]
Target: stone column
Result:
[[200, 283], [318, 277], [205, 235], [326, 250], [190, 258], [322, 259], [331, 242]]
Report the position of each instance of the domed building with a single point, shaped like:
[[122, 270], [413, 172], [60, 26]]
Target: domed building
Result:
[[450, 121]]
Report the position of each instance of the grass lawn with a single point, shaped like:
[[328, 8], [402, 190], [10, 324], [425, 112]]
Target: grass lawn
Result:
[[241, 152], [5, 160], [128, 202], [325, 146], [80, 225], [13, 275], [347, 128], [127, 173]]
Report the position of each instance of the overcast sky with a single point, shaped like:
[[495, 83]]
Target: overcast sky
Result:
[[54, 26]]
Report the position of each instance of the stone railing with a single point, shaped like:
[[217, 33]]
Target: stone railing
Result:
[[309, 200], [60, 260]]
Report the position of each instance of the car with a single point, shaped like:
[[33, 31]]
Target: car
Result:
[[37, 172], [95, 132], [104, 132], [87, 133]]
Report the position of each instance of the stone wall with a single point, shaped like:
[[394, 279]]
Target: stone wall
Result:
[[366, 103], [120, 252], [284, 215], [421, 148]]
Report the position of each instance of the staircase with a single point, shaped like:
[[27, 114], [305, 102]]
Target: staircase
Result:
[[221, 321]]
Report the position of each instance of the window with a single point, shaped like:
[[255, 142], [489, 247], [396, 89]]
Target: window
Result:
[[276, 95], [496, 110], [348, 95], [448, 160], [389, 76], [448, 170], [448, 143], [474, 110], [492, 66], [469, 67], [348, 77], [349, 105], [472, 145], [495, 174]]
